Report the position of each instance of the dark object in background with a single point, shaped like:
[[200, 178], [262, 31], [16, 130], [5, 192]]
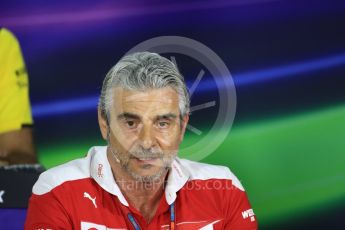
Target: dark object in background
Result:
[[16, 183]]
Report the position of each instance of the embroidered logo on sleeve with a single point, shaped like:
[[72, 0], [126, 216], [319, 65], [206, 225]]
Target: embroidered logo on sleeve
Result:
[[248, 214]]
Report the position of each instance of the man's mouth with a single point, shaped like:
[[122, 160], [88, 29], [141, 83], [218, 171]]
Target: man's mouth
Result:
[[147, 160]]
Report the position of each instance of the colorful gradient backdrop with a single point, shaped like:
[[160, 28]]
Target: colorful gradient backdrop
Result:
[[287, 59]]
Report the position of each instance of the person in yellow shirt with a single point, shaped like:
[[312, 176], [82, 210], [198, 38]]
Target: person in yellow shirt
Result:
[[16, 138]]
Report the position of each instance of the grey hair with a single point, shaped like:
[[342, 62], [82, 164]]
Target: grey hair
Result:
[[143, 71]]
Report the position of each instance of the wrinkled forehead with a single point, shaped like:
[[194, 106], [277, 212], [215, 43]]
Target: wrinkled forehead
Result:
[[151, 101]]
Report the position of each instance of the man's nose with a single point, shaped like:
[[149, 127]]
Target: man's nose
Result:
[[146, 138]]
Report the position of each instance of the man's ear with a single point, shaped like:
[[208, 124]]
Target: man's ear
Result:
[[184, 123], [103, 125]]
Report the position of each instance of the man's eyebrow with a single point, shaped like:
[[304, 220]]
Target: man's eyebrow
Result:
[[166, 116], [127, 115]]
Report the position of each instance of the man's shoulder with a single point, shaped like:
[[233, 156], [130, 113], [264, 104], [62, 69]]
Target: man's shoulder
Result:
[[67, 172], [204, 171], [70, 171]]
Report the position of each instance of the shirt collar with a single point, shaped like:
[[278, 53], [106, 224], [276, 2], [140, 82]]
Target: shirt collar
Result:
[[101, 172], [177, 178]]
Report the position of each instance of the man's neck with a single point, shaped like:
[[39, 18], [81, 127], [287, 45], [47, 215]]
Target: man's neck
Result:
[[144, 196]]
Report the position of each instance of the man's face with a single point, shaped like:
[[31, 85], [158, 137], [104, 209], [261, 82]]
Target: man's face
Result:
[[146, 130]]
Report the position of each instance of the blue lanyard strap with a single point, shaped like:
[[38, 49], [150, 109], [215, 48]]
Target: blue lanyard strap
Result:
[[132, 220], [172, 218]]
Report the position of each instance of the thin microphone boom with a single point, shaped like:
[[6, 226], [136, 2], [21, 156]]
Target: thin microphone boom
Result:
[[113, 153]]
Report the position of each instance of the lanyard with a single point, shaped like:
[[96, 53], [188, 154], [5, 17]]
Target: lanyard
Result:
[[172, 218]]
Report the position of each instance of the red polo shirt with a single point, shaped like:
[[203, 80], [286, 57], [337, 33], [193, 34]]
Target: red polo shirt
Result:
[[82, 194]]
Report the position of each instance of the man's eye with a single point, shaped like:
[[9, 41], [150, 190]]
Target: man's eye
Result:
[[163, 124], [131, 124]]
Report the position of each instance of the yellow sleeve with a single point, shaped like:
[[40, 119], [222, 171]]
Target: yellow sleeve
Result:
[[15, 108]]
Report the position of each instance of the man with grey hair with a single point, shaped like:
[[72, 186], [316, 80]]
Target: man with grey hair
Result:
[[137, 181]]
